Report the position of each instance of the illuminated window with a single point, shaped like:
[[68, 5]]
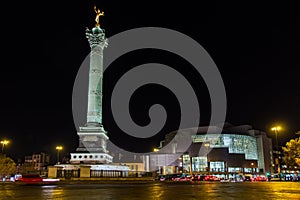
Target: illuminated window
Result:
[[186, 163], [234, 169], [199, 164], [217, 166]]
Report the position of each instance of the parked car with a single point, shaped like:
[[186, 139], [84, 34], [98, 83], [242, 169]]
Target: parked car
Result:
[[183, 177], [260, 178], [247, 178], [173, 176], [211, 178], [161, 178], [196, 177], [275, 177], [168, 177]]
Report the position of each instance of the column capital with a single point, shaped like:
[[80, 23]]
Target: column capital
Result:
[[96, 37]]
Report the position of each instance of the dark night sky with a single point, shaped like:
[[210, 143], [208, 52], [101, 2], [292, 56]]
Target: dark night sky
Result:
[[255, 46]]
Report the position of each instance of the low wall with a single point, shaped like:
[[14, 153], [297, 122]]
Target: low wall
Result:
[[108, 180], [111, 179]]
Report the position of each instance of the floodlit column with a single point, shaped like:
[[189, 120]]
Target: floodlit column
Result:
[[98, 42]]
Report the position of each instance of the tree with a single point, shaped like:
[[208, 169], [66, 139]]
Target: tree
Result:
[[27, 167], [7, 165], [291, 152]]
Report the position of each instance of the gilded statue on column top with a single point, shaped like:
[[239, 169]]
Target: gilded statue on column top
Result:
[[98, 15]]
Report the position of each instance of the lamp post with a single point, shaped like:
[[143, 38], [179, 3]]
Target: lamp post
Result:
[[58, 148], [180, 164], [252, 165], [3, 142], [207, 145], [159, 169], [276, 129]]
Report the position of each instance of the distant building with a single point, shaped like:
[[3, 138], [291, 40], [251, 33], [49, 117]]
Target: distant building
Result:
[[38, 161], [278, 160], [227, 152], [135, 163]]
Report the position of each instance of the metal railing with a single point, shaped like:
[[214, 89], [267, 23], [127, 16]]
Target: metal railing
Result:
[[67, 174]]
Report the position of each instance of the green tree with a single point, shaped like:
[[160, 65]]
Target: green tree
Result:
[[291, 152], [7, 165], [27, 168]]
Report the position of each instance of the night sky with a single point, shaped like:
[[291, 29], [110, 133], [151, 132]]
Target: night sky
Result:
[[255, 46]]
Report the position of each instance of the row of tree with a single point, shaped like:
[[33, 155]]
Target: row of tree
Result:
[[291, 152], [7, 166]]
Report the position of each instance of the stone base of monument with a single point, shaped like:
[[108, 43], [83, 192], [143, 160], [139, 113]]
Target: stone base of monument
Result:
[[92, 146], [90, 158], [89, 170]]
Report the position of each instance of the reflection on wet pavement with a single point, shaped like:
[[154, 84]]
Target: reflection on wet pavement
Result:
[[153, 191]]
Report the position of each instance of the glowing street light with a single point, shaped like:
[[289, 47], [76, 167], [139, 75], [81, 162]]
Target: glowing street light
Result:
[[155, 149], [206, 145], [58, 148], [276, 129], [3, 142], [252, 165]]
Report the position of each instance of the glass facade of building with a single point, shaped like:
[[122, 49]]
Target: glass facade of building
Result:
[[240, 144], [237, 150], [186, 163], [199, 164]]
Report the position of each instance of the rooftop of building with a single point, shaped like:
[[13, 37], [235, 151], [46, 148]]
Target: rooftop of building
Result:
[[222, 128]]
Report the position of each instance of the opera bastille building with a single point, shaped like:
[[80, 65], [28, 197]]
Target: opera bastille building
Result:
[[226, 152]]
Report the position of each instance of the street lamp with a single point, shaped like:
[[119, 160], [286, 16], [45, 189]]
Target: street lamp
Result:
[[3, 142], [276, 129], [180, 164], [252, 165], [58, 148], [207, 145], [159, 168]]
